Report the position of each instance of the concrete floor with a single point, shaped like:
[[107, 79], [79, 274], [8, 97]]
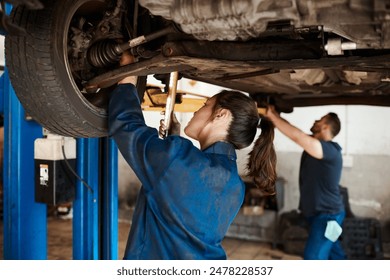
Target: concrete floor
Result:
[[60, 243]]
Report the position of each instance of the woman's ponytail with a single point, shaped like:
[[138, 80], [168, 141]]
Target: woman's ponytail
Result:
[[262, 159], [242, 131]]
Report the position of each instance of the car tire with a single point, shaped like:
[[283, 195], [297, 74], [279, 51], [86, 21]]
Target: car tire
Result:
[[40, 72]]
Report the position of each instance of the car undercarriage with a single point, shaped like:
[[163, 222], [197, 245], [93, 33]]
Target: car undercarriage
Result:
[[63, 57]]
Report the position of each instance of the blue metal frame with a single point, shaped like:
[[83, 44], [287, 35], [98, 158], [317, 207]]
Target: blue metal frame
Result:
[[86, 204], [110, 201], [25, 222], [95, 233]]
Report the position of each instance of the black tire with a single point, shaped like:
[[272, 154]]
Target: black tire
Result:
[[40, 72]]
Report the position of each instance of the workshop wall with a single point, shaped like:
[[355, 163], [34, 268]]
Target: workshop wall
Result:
[[364, 137]]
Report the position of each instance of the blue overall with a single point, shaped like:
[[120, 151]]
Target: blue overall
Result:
[[188, 197], [321, 201]]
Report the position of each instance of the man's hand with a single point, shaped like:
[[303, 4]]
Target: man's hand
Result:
[[310, 144], [271, 113]]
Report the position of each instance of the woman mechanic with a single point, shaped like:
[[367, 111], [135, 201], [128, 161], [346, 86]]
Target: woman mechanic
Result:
[[189, 196]]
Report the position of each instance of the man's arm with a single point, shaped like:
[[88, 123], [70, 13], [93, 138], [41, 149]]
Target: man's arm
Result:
[[310, 144]]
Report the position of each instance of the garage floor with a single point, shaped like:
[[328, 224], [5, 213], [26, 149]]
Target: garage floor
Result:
[[60, 243]]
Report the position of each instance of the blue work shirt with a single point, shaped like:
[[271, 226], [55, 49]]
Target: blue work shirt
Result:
[[188, 197], [319, 181]]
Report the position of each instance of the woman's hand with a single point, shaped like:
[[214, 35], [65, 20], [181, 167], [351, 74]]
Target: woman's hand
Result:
[[174, 128], [126, 59]]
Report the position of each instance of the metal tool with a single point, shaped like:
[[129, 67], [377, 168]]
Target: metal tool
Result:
[[170, 104]]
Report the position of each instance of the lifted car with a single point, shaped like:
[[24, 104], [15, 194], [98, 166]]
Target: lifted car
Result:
[[63, 56]]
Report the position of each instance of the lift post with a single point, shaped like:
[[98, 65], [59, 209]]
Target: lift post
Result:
[[95, 215], [25, 222]]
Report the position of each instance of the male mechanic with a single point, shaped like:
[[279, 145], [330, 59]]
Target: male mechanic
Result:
[[319, 176]]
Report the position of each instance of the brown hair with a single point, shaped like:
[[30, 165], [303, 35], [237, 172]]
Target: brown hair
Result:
[[241, 133]]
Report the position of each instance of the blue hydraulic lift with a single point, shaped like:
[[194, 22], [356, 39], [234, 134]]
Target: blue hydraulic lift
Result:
[[95, 218]]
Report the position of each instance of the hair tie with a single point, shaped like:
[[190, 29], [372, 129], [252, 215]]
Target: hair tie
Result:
[[259, 122]]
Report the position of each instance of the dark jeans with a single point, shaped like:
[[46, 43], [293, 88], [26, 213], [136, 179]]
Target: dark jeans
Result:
[[318, 247]]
